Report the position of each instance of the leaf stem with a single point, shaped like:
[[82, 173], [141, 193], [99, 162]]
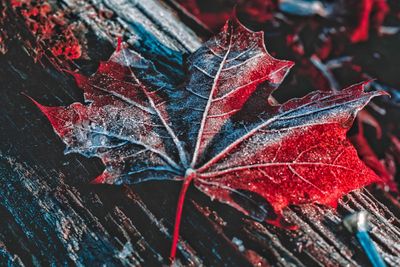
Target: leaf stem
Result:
[[190, 174]]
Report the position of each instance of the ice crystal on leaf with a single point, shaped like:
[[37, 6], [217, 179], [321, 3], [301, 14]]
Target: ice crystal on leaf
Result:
[[143, 126]]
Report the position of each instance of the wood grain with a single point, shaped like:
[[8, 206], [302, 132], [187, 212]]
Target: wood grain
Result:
[[49, 215]]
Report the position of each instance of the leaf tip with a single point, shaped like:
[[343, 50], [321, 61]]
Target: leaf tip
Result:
[[44, 109], [54, 115], [361, 86], [235, 22], [101, 179], [80, 79]]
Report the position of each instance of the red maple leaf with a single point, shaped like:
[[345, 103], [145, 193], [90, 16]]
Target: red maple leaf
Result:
[[216, 129]]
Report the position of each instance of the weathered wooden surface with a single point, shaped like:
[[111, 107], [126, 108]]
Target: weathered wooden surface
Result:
[[49, 215]]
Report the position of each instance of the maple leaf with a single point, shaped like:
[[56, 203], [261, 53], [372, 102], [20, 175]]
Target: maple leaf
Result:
[[144, 126]]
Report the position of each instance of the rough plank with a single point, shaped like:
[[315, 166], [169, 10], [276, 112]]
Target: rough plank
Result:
[[50, 216]]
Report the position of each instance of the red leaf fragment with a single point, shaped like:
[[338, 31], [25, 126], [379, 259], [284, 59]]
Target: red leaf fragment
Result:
[[366, 153], [143, 126], [50, 28], [371, 14], [213, 14]]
